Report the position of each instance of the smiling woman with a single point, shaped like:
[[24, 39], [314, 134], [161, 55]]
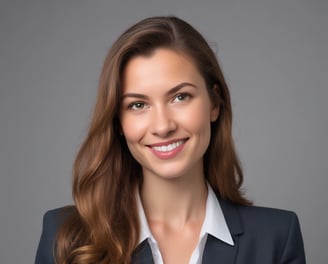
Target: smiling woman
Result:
[[166, 115], [157, 179]]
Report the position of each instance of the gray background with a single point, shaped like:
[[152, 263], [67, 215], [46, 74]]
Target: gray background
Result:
[[274, 56]]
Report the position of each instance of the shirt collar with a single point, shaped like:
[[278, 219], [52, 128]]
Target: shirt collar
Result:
[[144, 228], [214, 221]]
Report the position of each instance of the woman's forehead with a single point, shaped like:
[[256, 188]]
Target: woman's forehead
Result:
[[164, 67]]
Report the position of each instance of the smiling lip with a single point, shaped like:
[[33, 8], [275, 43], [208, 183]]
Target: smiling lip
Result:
[[167, 150]]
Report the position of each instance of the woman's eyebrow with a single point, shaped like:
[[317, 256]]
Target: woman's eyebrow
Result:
[[178, 87], [173, 90], [134, 95]]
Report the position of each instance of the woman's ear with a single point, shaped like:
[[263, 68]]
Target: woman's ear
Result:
[[215, 98]]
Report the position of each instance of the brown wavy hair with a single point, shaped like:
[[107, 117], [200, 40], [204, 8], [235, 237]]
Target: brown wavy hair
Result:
[[103, 226]]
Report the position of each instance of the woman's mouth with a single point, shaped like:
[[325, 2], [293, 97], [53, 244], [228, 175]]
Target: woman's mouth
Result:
[[167, 150], [169, 147]]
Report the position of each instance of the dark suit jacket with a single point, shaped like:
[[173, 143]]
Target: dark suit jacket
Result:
[[261, 236]]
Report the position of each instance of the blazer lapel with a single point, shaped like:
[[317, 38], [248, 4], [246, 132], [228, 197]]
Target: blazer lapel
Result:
[[142, 254], [217, 251]]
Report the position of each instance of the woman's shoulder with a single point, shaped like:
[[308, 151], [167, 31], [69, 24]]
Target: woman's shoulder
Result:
[[258, 216], [271, 231], [58, 215], [52, 220], [258, 219], [251, 212], [266, 221], [265, 212]]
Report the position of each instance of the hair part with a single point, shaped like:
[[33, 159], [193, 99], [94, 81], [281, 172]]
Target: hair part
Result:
[[104, 226]]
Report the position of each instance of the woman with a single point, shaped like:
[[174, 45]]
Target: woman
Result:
[[157, 180]]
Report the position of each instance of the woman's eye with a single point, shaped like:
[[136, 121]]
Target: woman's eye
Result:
[[136, 105], [181, 97]]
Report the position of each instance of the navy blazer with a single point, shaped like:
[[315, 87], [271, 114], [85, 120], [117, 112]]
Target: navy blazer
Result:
[[261, 236]]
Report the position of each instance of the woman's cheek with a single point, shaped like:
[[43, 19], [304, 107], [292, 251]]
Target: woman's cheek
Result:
[[134, 128]]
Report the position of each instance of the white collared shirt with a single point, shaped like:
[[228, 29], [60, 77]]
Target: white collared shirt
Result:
[[214, 224]]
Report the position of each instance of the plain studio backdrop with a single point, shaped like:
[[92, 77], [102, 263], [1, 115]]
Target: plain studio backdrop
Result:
[[273, 54]]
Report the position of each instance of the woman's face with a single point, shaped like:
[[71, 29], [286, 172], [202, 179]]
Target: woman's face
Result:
[[166, 114]]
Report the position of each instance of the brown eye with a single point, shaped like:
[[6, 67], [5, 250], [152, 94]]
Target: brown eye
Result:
[[136, 105], [181, 97]]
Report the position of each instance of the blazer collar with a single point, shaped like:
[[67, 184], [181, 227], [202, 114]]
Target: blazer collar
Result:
[[215, 249]]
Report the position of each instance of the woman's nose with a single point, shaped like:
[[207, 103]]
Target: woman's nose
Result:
[[163, 122]]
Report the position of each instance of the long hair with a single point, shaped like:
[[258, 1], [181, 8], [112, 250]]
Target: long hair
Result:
[[103, 226]]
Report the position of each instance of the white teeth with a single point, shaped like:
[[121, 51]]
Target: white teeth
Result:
[[169, 147]]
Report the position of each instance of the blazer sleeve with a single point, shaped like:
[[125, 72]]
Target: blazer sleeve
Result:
[[293, 252]]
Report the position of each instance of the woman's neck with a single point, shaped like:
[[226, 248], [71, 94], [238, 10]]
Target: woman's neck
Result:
[[174, 202]]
